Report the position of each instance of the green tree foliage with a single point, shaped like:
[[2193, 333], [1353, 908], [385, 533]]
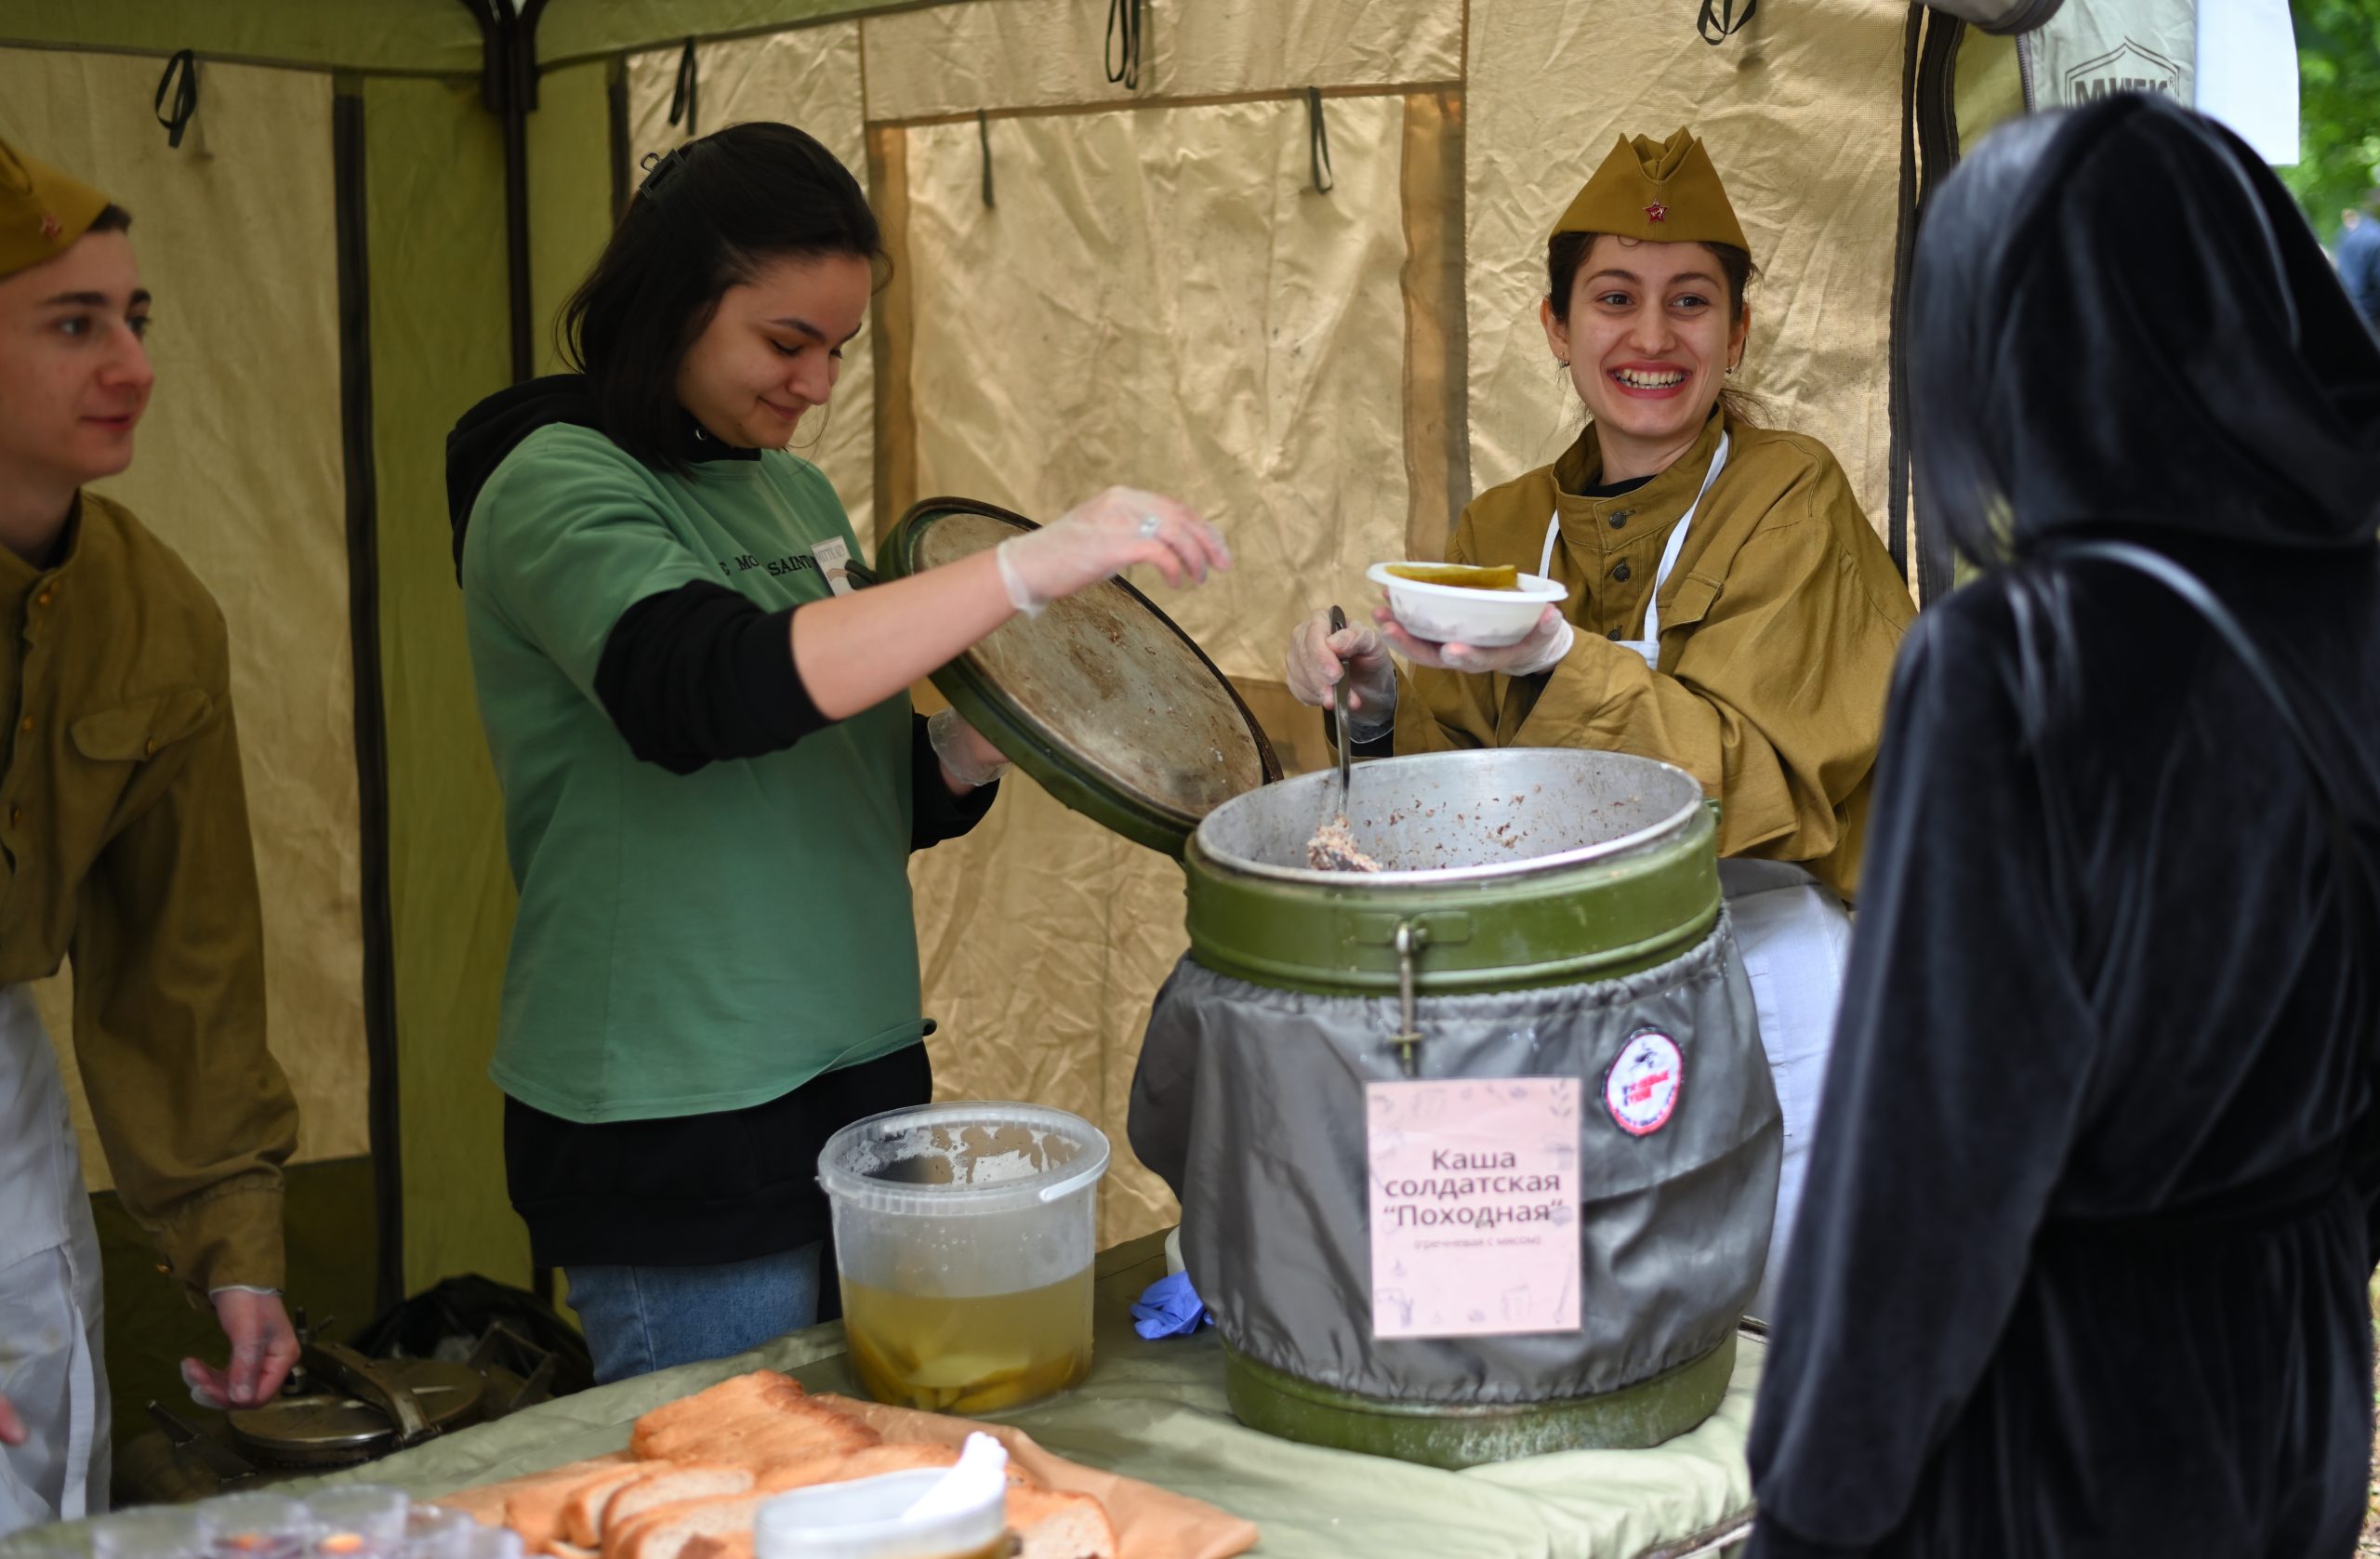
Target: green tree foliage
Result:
[[2338, 64]]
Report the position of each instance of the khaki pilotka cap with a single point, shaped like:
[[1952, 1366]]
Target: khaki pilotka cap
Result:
[[1664, 191], [42, 211]]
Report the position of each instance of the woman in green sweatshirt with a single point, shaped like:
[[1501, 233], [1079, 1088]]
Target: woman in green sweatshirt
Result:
[[712, 777]]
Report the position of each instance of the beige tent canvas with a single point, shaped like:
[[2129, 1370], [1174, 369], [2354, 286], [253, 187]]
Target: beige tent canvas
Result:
[[1280, 257]]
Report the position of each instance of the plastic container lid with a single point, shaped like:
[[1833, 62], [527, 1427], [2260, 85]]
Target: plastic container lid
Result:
[[867, 1519], [962, 1158], [1101, 698]]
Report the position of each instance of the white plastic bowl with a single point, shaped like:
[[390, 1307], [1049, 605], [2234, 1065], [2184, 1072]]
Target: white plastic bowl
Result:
[[1456, 614]]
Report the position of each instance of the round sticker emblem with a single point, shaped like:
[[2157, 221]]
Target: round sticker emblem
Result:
[[1640, 1089]]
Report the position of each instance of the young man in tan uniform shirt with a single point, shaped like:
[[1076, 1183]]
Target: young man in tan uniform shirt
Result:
[[124, 844]]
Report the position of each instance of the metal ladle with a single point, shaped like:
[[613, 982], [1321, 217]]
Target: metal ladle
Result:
[[1339, 718]]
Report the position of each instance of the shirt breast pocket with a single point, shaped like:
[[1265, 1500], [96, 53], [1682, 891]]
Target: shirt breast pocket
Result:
[[136, 732]]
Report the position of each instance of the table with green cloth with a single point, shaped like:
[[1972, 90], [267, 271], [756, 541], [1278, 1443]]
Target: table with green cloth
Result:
[[1156, 1411]]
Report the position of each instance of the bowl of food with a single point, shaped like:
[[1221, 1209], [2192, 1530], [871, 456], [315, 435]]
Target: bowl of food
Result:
[[1454, 603]]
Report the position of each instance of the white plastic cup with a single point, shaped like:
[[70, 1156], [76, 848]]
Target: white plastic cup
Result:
[[435, 1532], [867, 1519], [492, 1542], [152, 1532], [359, 1520], [259, 1527]]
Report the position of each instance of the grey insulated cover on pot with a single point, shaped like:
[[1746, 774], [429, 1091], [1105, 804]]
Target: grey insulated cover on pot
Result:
[[1249, 1101]]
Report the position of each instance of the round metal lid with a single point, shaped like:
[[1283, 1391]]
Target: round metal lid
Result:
[[336, 1428], [1101, 698]]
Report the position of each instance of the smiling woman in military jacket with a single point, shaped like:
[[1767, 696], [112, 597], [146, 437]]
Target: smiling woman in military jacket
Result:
[[1731, 609]]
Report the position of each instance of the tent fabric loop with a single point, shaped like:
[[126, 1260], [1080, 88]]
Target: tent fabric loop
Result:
[[1121, 50], [1318, 131], [1719, 20], [984, 141], [176, 119], [685, 98]]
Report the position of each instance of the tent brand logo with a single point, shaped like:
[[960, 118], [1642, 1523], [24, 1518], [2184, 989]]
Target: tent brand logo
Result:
[[2127, 68], [1657, 212], [1640, 1089]]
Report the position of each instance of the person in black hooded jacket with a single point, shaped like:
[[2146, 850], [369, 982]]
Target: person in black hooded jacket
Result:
[[2080, 1269]]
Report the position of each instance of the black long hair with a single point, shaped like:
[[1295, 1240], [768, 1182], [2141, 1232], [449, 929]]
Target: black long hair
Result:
[[2121, 322], [706, 217]]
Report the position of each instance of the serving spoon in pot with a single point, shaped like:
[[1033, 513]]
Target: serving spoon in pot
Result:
[[1333, 845]]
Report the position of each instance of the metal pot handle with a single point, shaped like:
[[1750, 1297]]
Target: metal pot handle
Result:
[[1408, 941]]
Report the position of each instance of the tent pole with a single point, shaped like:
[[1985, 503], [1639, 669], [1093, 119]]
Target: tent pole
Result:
[[509, 87]]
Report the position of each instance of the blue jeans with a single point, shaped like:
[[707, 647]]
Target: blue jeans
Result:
[[640, 1319]]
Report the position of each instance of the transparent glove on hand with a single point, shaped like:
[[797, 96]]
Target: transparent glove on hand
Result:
[[1541, 651], [1100, 539], [966, 756], [1319, 658]]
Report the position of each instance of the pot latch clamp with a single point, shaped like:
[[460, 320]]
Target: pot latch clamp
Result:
[[1408, 941]]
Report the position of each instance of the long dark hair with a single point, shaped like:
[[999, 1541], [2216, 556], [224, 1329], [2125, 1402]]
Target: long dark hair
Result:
[[706, 217], [1564, 252]]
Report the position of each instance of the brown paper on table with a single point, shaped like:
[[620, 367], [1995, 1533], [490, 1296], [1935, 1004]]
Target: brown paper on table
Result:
[[1151, 1523]]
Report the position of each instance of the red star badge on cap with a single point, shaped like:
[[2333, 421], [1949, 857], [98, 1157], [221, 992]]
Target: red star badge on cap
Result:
[[50, 226], [1657, 212]]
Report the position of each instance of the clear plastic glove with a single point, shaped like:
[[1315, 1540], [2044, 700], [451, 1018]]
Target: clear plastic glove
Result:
[[1101, 538], [1541, 651], [264, 1346], [968, 757], [1319, 658]]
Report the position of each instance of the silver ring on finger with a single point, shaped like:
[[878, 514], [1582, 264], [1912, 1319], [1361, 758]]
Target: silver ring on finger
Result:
[[1150, 525]]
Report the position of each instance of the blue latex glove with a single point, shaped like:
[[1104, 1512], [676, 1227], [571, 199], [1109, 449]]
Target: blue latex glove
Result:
[[1171, 1308]]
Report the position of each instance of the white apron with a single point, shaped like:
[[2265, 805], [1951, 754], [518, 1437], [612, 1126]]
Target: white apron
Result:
[[1790, 930], [51, 1351]]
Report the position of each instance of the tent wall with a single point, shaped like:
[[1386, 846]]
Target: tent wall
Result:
[[1802, 119], [413, 37], [1156, 293], [434, 172]]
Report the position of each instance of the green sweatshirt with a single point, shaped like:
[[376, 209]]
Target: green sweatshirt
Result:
[[685, 944]]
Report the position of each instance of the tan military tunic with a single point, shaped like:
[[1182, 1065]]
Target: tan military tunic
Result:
[[1778, 625], [123, 841]]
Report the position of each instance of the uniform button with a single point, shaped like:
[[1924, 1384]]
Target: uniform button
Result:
[[149, 749], [1621, 518], [1615, 636], [42, 600], [1620, 574], [16, 816]]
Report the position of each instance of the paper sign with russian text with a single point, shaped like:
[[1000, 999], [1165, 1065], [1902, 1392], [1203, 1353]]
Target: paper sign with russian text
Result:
[[1474, 1198]]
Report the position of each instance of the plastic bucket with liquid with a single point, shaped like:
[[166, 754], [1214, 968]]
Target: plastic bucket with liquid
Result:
[[965, 1233]]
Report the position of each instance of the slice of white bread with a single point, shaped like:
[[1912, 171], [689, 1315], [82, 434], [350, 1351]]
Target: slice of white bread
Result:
[[582, 1512], [665, 1533], [1056, 1524], [531, 1506], [674, 1483], [757, 1431], [745, 1398]]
